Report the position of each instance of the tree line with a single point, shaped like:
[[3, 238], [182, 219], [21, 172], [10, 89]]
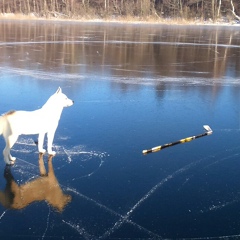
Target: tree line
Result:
[[142, 9]]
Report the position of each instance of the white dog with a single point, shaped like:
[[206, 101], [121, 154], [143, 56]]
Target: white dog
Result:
[[41, 121]]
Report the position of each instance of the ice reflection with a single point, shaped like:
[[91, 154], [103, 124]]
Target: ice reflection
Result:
[[124, 51], [44, 188]]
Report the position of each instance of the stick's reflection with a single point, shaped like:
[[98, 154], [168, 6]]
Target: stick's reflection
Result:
[[44, 188]]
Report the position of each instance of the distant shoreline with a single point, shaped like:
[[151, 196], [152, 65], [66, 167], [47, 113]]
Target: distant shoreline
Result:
[[11, 16]]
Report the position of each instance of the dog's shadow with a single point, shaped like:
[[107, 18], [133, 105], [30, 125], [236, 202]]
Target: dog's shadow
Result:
[[44, 188]]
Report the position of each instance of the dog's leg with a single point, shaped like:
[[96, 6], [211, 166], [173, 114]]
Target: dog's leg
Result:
[[6, 150], [10, 140], [6, 153], [40, 143], [50, 136]]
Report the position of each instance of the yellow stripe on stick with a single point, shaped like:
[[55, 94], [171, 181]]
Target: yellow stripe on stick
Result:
[[155, 149], [188, 139]]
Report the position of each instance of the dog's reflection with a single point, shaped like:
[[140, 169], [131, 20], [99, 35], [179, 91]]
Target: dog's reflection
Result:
[[44, 188]]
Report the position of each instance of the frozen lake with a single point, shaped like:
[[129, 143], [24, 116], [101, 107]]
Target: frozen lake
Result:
[[135, 87]]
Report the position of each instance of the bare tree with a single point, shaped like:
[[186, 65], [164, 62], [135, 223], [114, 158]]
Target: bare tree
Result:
[[219, 8], [233, 11], [216, 7]]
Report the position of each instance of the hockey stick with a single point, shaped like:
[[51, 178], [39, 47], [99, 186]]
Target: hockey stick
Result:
[[184, 140]]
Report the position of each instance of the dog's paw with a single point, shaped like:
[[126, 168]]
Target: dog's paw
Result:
[[10, 163], [43, 151], [12, 159], [52, 153]]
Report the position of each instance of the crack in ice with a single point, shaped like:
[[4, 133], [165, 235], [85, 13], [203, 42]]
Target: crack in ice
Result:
[[48, 217]]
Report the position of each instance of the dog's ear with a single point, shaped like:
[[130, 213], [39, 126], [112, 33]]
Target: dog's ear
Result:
[[59, 90]]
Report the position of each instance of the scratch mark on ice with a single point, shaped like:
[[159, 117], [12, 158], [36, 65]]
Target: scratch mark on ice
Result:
[[49, 211], [80, 230], [3, 214]]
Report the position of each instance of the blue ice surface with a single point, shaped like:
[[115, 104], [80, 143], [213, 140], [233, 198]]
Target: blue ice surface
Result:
[[99, 160]]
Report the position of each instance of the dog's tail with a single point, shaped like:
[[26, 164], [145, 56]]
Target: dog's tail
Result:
[[2, 123]]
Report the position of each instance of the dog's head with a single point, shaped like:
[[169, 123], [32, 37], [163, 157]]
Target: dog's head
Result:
[[66, 102]]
